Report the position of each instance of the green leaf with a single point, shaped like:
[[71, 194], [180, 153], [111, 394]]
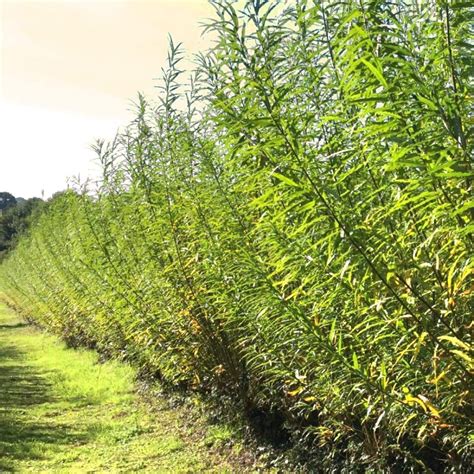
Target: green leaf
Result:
[[375, 71], [286, 180]]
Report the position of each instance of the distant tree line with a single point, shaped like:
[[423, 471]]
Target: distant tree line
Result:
[[16, 215]]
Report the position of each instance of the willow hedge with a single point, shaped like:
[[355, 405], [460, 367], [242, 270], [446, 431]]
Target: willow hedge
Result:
[[293, 226]]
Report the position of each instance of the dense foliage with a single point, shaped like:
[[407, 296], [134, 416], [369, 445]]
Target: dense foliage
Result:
[[15, 218], [294, 228], [7, 200]]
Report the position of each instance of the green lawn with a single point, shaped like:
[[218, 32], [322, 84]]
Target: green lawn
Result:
[[62, 411]]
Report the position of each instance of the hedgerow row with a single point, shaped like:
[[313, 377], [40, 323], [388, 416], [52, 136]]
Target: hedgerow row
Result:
[[293, 228]]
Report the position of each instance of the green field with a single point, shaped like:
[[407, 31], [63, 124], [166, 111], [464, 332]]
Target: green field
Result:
[[62, 411]]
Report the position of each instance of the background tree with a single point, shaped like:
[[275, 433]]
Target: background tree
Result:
[[15, 220], [6, 200]]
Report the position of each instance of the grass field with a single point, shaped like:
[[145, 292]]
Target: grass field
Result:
[[62, 411]]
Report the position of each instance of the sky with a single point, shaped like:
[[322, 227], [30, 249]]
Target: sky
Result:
[[69, 73]]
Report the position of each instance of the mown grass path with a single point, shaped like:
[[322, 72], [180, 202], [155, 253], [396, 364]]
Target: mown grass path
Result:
[[62, 411]]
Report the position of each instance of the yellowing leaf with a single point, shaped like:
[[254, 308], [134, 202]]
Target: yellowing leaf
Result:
[[463, 355], [411, 400], [297, 391], [433, 411], [438, 378], [455, 341]]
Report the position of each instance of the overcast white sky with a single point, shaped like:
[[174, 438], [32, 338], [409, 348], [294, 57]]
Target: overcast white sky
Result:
[[69, 71]]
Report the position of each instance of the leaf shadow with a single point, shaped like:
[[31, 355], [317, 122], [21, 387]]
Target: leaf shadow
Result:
[[23, 387]]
